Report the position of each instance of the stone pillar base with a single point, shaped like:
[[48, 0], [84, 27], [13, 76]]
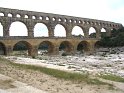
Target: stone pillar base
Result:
[[8, 50]]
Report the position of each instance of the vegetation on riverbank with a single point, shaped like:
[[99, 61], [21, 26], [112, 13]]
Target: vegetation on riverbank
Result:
[[74, 77], [115, 40], [112, 77]]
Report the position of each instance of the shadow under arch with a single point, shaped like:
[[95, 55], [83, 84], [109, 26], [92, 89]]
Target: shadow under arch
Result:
[[83, 46], [98, 44], [2, 49], [45, 47], [60, 30], [66, 47], [18, 28], [22, 48], [100, 48]]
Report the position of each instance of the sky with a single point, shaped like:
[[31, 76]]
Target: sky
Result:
[[109, 10]]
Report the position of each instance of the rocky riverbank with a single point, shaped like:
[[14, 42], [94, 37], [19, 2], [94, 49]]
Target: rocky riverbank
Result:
[[100, 63]]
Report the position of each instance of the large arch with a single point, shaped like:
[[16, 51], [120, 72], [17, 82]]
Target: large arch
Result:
[[66, 47], [18, 28], [22, 48], [83, 46], [2, 49], [1, 29], [59, 31], [98, 46], [40, 30], [103, 32], [92, 32], [77, 31], [45, 47]]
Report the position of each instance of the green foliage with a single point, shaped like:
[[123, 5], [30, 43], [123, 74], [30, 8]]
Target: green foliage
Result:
[[64, 54], [116, 39], [93, 35], [112, 77], [75, 77]]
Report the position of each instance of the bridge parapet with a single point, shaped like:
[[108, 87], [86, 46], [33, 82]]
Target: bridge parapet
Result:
[[35, 16]]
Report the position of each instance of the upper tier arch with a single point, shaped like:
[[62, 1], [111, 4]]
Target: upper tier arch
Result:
[[30, 18]]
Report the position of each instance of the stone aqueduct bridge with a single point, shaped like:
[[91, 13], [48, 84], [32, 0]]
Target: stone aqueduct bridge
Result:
[[30, 19]]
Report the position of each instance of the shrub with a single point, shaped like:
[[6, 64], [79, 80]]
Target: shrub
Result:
[[64, 54]]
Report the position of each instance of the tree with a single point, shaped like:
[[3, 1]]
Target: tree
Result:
[[116, 38]]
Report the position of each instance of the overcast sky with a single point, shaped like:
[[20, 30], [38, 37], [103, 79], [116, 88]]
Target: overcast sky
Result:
[[109, 10]]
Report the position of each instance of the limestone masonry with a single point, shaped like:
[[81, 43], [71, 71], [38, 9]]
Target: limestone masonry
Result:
[[30, 19]]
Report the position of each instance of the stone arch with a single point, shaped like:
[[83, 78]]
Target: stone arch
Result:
[[26, 16], [66, 46], [77, 31], [33, 17], [18, 15], [18, 28], [92, 32], [46, 47], [2, 14], [54, 19], [83, 46], [22, 48], [60, 31], [103, 32], [2, 49], [1, 29], [10, 15], [40, 30], [47, 18], [98, 46]]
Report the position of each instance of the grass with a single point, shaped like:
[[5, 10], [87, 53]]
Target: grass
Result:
[[112, 77], [55, 73], [109, 65], [75, 77]]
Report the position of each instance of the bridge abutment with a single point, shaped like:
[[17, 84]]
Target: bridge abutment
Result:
[[8, 50], [55, 51], [33, 51]]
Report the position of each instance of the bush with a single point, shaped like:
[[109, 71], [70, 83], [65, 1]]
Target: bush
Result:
[[116, 38], [64, 54]]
